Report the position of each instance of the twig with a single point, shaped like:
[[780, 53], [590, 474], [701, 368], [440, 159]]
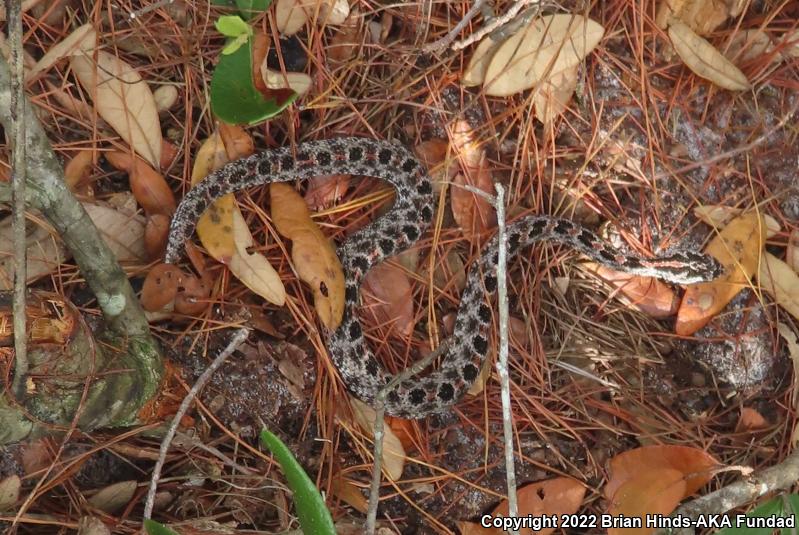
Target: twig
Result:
[[14, 13], [778, 477], [378, 432], [502, 361], [493, 25], [234, 343], [444, 42]]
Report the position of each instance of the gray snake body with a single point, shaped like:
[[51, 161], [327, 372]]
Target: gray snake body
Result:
[[397, 231]]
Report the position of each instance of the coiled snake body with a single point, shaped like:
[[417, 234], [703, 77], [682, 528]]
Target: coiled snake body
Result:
[[397, 231]]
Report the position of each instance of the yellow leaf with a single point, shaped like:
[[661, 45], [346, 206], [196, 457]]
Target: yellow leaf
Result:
[[702, 58], [215, 226], [547, 46], [475, 72], [314, 256], [738, 247], [252, 268], [554, 95], [124, 100]]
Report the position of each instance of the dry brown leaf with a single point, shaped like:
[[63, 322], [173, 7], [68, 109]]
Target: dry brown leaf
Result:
[[78, 168], [746, 45], [792, 39], [123, 100], [9, 492], [750, 421], [81, 41], [554, 94], [148, 185], [720, 215], [793, 350], [44, 252], [299, 82], [165, 97], [702, 16], [388, 298], [475, 72], [325, 190], [123, 233], [697, 465], [290, 16], [252, 268], [655, 491], [160, 287], [704, 60], [347, 40], [393, 452], [792, 251], [346, 491], [114, 497], [313, 254], [738, 247], [215, 226], [547, 46], [473, 213], [156, 235], [647, 294], [558, 496], [91, 525], [778, 279]]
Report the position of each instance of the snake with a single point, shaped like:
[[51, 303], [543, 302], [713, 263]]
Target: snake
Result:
[[399, 229]]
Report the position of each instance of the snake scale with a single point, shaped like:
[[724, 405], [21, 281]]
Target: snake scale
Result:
[[393, 233]]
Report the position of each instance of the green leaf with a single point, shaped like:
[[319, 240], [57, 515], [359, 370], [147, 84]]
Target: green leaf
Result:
[[154, 528], [234, 98], [223, 3], [250, 8], [234, 44], [772, 507], [314, 516], [232, 26]]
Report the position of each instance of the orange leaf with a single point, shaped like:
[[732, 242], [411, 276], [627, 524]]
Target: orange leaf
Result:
[[77, 169], [750, 421], [738, 247], [388, 298], [160, 286], [656, 491], [148, 185], [557, 496], [647, 294], [156, 233], [313, 254], [325, 190], [346, 491], [697, 465]]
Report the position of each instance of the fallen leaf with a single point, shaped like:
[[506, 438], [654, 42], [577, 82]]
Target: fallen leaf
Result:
[[215, 225], [704, 60], [696, 465], [792, 41], [792, 251], [558, 496], [148, 185], [738, 247], [299, 82], [160, 287], [91, 525], [81, 41], [655, 491], [702, 16], [720, 216], [346, 491], [312, 252], [325, 190], [475, 72], [123, 100], [778, 279], [252, 268], [547, 46], [746, 45], [346, 41], [649, 295], [9, 492], [750, 421], [165, 97], [473, 213], [554, 94], [114, 497], [123, 233], [393, 452], [156, 235], [192, 297], [290, 16], [78, 168], [793, 350], [388, 298], [43, 250]]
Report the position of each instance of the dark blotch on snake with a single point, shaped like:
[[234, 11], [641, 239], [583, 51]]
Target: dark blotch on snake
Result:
[[427, 213], [484, 312], [386, 246], [417, 396], [264, 167], [323, 158], [355, 330], [372, 367], [586, 239], [470, 372], [424, 187], [408, 165], [351, 294], [607, 255], [563, 227], [286, 163], [446, 392], [384, 156], [480, 344], [361, 262], [490, 283], [411, 231], [356, 154]]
